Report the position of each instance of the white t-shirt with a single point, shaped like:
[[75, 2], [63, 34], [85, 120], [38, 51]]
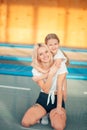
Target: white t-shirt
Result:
[[53, 87], [60, 55]]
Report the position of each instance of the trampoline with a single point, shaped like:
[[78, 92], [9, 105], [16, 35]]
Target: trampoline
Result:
[[17, 88]]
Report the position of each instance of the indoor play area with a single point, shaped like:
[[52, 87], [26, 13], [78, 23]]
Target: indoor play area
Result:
[[24, 23]]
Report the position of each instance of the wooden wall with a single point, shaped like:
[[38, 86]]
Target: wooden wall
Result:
[[29, 21]]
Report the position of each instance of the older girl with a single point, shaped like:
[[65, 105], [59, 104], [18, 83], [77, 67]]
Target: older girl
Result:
[[50, 98]]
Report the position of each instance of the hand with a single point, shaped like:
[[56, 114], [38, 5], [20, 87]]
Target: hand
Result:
[[35, 78], [59, 110]]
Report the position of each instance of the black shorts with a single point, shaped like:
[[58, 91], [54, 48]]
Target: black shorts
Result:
[[42, 100]]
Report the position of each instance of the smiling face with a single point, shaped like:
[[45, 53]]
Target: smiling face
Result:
[[53, 45], [52, 41], [43, 55]]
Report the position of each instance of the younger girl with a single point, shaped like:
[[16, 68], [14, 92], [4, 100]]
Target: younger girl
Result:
[[52, 41]]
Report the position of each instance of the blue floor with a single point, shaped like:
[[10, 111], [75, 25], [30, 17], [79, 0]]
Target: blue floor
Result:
[[25, 70]]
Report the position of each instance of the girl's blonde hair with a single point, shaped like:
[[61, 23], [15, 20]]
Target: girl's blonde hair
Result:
[[54, 36], [51, 36], [35, 60]]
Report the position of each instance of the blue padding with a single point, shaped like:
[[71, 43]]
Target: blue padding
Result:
[[17, 45], [73, 49], [74, 62], [18, 70], [78, 71], [23, 70], [14, 45], [76, 77], [13, 58], [29, 59]]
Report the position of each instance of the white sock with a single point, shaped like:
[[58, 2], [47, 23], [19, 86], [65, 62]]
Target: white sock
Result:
[[44, 120]]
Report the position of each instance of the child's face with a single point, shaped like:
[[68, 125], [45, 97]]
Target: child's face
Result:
[[53, 45]]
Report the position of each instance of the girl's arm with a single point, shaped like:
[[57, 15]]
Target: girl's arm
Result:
[[65, 90], [45, 75], [61, 78], [37, 78], [39, 69], [45, 86]]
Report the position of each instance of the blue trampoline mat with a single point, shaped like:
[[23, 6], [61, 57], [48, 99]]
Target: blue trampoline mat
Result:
[[29, 59], [24, 70], [14, 45]]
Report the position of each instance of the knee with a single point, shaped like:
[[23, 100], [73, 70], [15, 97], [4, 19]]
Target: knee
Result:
[[28, 122], [58, 127], [24, 123]]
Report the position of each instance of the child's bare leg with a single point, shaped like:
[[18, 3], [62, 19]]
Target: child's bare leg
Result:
[[33, 115], [65, 90]]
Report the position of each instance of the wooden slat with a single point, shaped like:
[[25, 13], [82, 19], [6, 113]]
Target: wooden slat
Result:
[[26, 21]]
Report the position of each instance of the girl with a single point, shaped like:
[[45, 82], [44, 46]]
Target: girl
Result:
[[52, 41], [50, 98]]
